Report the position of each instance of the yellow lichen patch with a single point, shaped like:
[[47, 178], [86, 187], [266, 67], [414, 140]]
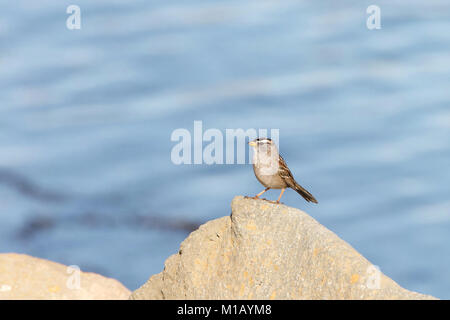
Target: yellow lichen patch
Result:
[[355, 278], [250, 296], [245, 274], [269, 242], [273, 295], [250, 282], [276, 267], [316, 252], [241, 291], [54, 289], [264, 207], [251, 226]]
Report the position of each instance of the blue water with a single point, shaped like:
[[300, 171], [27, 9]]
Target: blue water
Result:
[[86, 118]]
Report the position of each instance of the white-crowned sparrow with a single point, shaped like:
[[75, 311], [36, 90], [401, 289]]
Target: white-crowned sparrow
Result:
[[271, 169]]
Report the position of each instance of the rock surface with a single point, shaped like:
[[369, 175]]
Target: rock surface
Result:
[[268, 251], [28, 278]]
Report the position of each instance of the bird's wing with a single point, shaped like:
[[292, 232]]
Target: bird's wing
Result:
[[285, 173], [287, 176]]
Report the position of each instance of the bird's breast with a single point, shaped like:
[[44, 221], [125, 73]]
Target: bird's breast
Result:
[[268, 179]]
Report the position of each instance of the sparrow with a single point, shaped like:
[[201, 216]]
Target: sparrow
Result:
[[272, 171]]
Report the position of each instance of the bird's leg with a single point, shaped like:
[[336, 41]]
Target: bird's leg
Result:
[[257, 196], [282, 191]]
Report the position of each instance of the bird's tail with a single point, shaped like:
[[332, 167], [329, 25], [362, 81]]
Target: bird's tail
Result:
[[304, 193]]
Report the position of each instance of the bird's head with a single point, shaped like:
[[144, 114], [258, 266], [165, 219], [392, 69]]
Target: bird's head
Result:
[[264, 146], [261, 142], [265, 155]]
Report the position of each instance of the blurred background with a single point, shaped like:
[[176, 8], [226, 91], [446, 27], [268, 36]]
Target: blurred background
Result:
[[86, 117]]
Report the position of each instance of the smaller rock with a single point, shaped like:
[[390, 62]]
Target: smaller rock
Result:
[[28, 278]]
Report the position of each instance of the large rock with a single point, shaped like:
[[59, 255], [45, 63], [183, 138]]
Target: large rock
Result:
[[268, 251], [25, 277]]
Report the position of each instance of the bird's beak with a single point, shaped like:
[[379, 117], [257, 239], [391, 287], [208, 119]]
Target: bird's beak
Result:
[[252, 143]]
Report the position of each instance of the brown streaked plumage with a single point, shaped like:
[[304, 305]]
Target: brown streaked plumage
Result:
[[272, 171]]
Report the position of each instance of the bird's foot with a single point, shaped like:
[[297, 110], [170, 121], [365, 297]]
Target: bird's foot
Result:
[[274, 202], [264, 199]]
